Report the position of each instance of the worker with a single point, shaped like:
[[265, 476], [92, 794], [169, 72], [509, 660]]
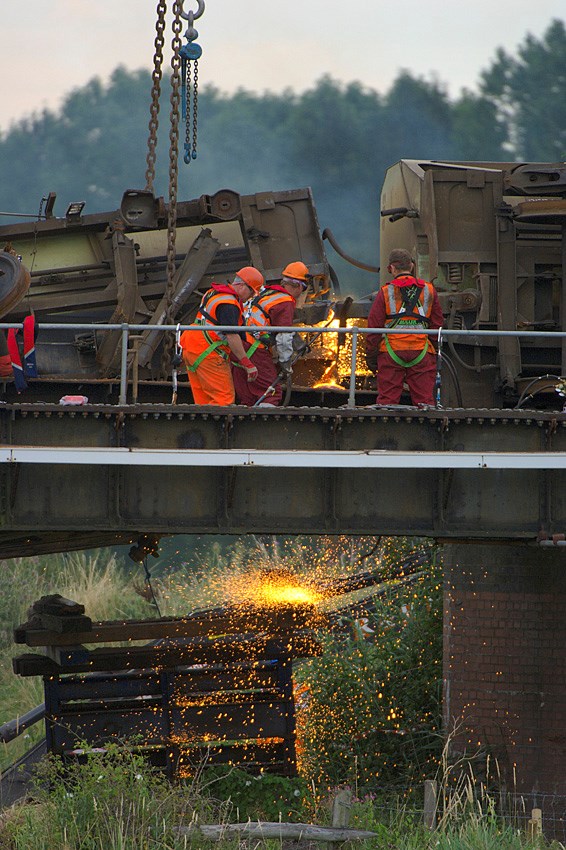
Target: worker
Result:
[[207, 354], [406, 301], [272, 353]]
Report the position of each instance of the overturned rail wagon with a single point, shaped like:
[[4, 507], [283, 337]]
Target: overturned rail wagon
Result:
[[490, 236]]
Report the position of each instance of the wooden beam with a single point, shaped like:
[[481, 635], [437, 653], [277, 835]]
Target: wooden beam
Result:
[[279, 831], [163, 656], [223, 621]]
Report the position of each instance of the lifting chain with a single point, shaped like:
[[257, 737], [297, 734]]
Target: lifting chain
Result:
[[156, 77], [190, 54], [169, 340]]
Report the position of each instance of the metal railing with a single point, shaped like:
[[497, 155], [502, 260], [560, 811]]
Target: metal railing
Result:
[[14, 728], [473, 336]]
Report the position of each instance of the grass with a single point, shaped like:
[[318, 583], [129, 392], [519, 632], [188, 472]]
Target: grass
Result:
[[115, 802], [99, 582]]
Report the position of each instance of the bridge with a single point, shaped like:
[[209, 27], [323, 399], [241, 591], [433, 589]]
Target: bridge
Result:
[[487, 483], [108, 470], [78, 477]]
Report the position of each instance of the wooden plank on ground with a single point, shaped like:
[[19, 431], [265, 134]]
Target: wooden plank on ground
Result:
[[278, 831]]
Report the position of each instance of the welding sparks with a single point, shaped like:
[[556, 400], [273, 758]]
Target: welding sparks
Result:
[[336, 351], [273, 588]]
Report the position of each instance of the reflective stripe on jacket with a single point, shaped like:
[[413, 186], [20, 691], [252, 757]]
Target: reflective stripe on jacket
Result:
[[207, 311], [398, 315], [258, 312], [207, 314]]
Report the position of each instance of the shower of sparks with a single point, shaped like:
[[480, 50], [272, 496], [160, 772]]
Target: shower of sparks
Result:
[[272, 588], [336, 351], [350, 706]]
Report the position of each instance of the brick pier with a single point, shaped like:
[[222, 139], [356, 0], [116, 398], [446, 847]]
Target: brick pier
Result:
[[505, 668]]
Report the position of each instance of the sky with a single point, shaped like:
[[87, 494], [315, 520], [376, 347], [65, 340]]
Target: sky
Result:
[[50, 47]]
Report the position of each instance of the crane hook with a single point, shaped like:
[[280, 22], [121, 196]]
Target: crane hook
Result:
[[195, 15]]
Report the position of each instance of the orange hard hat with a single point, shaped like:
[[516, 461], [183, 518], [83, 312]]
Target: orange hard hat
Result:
[[251, 277], [297, 271]]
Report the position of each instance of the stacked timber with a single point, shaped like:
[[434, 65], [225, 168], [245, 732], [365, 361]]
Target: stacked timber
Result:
[[216, 684]]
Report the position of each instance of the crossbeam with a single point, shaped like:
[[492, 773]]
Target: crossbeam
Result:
[[281, 459]]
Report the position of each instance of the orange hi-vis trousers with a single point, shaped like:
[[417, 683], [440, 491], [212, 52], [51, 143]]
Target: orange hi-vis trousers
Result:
[[211, 382]]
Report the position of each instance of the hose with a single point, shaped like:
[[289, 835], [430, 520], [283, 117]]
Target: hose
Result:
[[327, 234], [452, 347], [334, 279], [524, 397], [455, 379]]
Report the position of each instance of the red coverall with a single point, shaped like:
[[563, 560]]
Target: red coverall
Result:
[[421, 377], [248, 393]]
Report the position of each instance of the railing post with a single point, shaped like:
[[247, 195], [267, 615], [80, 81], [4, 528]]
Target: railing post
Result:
[[430, 803], [352, 393], [124, 366]]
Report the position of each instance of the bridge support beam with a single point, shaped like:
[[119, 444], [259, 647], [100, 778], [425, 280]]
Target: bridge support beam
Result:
[[505, 668]]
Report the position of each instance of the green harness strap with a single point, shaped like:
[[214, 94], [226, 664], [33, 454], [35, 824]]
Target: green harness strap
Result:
[[251, 350], [194, 366], [405, 363], [409, 305], [253, 347]]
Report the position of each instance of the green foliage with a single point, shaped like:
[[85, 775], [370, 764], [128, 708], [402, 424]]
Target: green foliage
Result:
[[262, 796], [529, 93], [112, 800], [372, 716], [372, 721]]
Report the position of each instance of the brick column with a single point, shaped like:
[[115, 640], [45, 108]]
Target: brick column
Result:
[[505, 667]]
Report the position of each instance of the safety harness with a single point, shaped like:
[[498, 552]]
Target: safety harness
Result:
[[258, 315], [29, 367], [410, 296], [206, 315]]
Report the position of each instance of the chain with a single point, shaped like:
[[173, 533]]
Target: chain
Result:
[[169, 341], [156, 77], [187, 108], [190, 55], [195, 110], [190, 87]]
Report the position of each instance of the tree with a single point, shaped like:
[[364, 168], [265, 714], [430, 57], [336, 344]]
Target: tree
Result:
[[418, 120], [529, 94], [477, 132]]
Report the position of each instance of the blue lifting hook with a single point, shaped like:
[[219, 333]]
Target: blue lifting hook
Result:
[[190, 53]]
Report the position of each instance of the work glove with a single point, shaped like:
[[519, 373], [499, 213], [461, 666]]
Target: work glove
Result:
[[286, 368], [251, 370], [300, 347], [371, 360], [176, 360]]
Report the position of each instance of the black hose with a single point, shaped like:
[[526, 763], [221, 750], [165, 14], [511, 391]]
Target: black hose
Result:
[[334, 279], [523, 397], [327, 234], [455, 379]]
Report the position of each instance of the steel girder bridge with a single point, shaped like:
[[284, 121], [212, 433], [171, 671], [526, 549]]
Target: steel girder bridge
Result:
[[100, 474]]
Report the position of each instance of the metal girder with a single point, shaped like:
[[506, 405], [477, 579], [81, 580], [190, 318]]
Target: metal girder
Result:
[[276, 459], [184, 469]]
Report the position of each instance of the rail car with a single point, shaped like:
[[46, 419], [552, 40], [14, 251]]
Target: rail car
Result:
[[491, 236]]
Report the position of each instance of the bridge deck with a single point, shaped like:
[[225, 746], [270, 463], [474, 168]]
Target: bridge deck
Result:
[[398, 489]]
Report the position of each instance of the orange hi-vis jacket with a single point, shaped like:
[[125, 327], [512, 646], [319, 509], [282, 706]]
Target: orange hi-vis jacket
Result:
[[411, 307], [207, 341], [259, 313]]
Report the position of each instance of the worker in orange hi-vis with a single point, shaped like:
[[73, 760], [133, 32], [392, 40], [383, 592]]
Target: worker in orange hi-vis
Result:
[[206, 353]]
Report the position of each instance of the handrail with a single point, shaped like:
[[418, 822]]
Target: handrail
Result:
[[282, 328], [10, 730], [354, 330]]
